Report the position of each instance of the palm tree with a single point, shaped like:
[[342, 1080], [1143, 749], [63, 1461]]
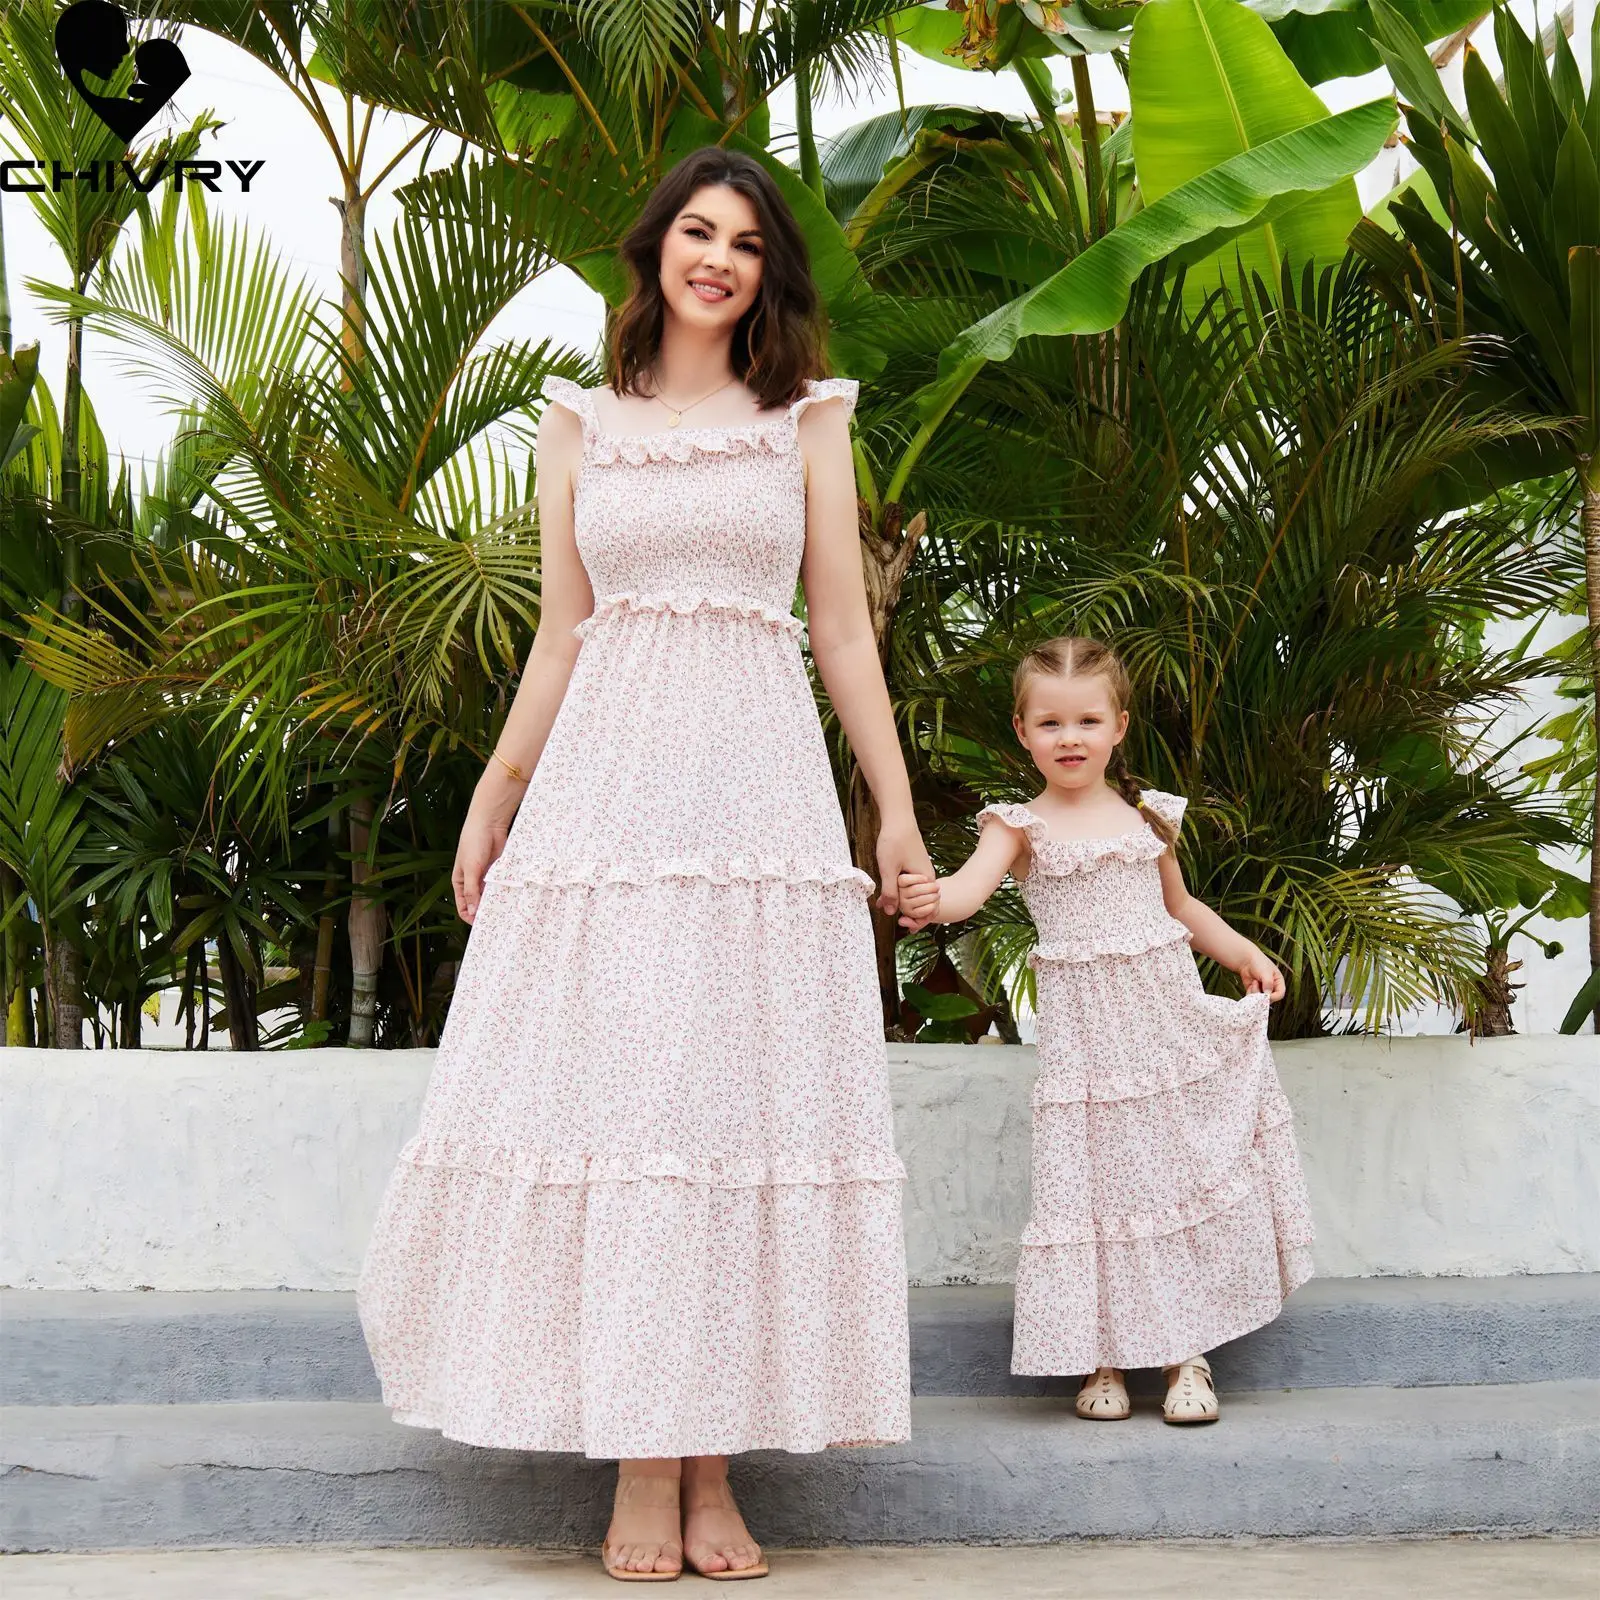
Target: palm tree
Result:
[[1519, 257], [1244, 523]]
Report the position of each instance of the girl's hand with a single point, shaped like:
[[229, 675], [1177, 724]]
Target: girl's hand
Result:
[[483, 837], [919, 901], [1261, 977], [900, 850]]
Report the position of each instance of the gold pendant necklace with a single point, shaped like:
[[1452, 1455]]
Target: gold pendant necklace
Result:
[[676, 416]]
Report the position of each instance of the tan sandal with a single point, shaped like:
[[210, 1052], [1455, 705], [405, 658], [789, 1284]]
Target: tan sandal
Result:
[[1103, 1397], [1191, 1395], [728, 1574], [626, 1574]]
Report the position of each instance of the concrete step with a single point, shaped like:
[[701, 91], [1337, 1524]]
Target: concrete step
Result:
[[149, 1349], [1520, 1458]]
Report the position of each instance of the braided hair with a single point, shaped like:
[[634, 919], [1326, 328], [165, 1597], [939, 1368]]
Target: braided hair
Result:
[[1072, 656]]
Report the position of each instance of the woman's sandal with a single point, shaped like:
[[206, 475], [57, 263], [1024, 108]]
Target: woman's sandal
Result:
[[1191, 1395], [626, 1574], [728, 1574], [1103, 1397]]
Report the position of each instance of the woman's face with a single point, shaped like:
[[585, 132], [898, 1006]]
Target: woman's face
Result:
[[711, 259]]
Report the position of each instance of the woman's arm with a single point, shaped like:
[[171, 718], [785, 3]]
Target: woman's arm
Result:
[[565, 599], [842, 644], [1211, 936]]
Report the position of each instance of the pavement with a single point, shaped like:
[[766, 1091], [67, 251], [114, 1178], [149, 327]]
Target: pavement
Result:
[[1450, 1569]]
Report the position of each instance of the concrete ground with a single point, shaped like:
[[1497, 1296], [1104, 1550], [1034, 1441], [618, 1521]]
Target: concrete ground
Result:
[[1449, 1569]]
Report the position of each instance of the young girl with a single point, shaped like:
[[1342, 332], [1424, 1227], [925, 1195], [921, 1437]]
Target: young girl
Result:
[[653, 1209], [1169, 1212]]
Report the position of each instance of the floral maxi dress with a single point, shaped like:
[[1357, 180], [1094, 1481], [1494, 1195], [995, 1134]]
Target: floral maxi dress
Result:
[[1169, 1211], [653, 1207]]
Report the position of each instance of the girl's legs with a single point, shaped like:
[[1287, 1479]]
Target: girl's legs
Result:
[[715, 1538], [644, 1535]]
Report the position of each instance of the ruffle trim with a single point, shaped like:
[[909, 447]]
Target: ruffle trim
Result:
[[1254, 1175], [1060, 858], [732, 869], [554, 1168], [683, 605], [777, 434], [1116, 1087], [1080, 951]]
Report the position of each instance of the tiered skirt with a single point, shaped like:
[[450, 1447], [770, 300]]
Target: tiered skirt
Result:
[[1169, 1211]]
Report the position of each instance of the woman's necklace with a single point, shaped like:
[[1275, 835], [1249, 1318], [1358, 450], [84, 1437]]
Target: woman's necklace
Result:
[[677, 411]]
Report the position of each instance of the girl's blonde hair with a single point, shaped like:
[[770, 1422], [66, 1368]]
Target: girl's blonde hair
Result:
[[1072, 656]]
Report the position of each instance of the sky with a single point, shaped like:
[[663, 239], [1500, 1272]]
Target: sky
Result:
[[289, 201]]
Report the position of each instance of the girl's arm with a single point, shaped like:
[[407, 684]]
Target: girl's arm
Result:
[[1211, 936], [565, 599], [963, 892], [843, 647]]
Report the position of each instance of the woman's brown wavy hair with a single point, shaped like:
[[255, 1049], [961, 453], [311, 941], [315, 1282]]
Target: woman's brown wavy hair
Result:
[[1073, 656], [780, 341]]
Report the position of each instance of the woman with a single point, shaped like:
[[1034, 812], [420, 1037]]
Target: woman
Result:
[[653, 1210]]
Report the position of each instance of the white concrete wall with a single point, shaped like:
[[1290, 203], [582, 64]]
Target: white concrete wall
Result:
[[166, 1170]]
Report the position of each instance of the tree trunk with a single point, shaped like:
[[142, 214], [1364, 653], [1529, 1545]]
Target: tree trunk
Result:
[[16, 1001], [71, 471], [1589, 480], [1496, 995], [239, 996], [368, 921], [63, 966]]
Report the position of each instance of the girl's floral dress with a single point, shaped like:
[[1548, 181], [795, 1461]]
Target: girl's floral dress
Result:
[[1169, 1210], [653, 1208]]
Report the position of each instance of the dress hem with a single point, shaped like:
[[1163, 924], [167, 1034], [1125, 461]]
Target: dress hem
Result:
[[1295, 1269], [724, 1446]]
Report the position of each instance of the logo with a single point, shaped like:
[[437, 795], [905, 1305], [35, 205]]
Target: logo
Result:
[[92, 36]]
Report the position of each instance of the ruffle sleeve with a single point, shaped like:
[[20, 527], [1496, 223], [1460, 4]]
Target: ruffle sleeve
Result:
[[1169, 807], [845, 389]]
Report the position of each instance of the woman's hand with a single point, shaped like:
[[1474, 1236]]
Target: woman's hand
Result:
[[900, 850], [919, 901], [1260, 976], [483, 836]]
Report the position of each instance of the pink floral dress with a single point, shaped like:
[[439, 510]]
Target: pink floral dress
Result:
[[653, 1207], [1169, 1211]]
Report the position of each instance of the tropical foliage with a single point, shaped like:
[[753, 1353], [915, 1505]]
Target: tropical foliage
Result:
[[256, 692]]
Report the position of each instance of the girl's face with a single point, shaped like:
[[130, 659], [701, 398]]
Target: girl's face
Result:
[[1070, 726], [711, 259]]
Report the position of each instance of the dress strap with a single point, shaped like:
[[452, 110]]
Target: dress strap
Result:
[[1169, 807], [563, 391], [1017, 817], [817, 389]]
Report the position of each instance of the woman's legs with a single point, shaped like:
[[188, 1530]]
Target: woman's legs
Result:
[[645, 1535], [715, 1538]]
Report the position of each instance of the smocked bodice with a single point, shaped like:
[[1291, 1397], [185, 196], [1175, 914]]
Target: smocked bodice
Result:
[[697, 531], [687, 745], [1096, 897]]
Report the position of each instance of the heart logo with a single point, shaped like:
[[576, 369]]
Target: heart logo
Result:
[[92, 36]]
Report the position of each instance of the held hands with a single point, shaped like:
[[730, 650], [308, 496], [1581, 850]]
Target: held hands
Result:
[[901, 854], [919, 900], [1260, 976]]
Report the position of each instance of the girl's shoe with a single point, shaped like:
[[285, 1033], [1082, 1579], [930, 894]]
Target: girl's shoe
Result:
[[730, 1574], [627, 1576], [1191, 1395], [1104, 1396]]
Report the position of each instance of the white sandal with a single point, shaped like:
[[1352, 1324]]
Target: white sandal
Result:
[[1191, 1395], [1103, 1396]]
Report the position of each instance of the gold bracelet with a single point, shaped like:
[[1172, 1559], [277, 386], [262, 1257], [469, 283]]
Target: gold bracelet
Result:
[[515, 771]]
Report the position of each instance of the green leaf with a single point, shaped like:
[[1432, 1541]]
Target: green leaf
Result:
[[1330, 38], [1583, 280], [938, 1007], [1090, 294], [1208, 82], [1583, 1002], [1415, 76]]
